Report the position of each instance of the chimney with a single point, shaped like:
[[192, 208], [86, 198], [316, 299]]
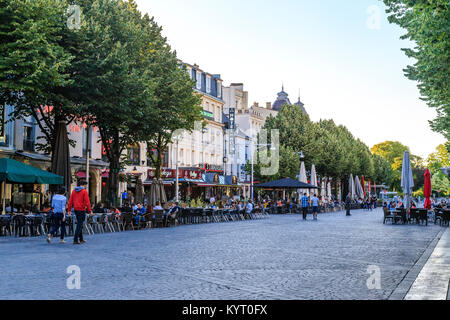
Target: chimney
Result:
[[269, 105], [256, 104]]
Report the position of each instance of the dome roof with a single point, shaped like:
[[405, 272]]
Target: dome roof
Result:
[[282, 99]]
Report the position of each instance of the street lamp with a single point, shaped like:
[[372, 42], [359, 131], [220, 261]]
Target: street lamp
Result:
[[258, 147], [176, 172], [204, 130]]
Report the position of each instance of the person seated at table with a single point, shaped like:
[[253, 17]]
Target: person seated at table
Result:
[[413, 205], [140, 212], [99, 208], [171, 215]]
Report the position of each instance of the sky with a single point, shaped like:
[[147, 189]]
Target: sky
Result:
[[343, 56]]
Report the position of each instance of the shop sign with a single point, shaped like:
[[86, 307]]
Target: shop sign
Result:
[[192, 174], [165, 173]]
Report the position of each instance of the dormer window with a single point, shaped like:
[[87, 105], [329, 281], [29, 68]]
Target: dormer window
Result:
[[208, 84], [219, 89], [199, 80]]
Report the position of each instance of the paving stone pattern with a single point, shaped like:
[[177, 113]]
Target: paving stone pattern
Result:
[[279, 257]]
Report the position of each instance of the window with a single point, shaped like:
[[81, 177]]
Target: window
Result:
[[199, 80], [84, 140], [208, 84], [219, 89], [28, 138], [134, 154], [189, 71]]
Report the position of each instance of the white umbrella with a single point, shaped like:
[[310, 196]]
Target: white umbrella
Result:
[[351, 187], [329, 190], [323, 191], [358, 187], [314, 176], [407, 179], [302, 178]]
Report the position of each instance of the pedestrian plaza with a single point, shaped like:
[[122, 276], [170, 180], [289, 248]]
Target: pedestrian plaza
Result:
[[279, 257]]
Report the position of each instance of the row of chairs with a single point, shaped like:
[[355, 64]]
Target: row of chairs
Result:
[[419, 216], [195, 216], [22, 226]]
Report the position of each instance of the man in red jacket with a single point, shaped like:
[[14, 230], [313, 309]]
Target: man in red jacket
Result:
[[79, 200]]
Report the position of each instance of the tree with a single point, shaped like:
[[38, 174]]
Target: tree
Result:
[[113, 82], [390, 150], [439, 159], [440, 184], [35, 63], [177, 107], [333, 149], [383, 170], [289, 165], [427, 23]]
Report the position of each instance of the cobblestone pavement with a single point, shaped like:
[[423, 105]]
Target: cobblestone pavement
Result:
[[280, 257]]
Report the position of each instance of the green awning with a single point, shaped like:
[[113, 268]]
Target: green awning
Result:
[[13, 171]]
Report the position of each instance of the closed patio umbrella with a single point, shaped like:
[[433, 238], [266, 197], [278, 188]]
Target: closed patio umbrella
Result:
[[329, 190], [302, 178], [351, 187], [314, 176], [162, 192], [139, 191], [358, 188], [363, 184], [152, 196], [427, 190], [323, 190], [61, 156], [407, 182]]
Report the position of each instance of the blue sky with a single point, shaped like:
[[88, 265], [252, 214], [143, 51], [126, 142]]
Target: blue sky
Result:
[[346, 62]]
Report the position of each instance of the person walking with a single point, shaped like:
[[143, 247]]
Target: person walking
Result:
[[59, 202], [79, 200], [348, 204], [305, 205], [315, 206], [249, 208]]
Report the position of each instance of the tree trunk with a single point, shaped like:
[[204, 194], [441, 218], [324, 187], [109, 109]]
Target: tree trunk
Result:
[[158, 164], [114, 167]]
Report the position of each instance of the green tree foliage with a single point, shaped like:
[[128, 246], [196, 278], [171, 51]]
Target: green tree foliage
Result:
[[392, 152], [331, 148], [439, 159], [427, 23], [177, 107], [440, 184], [383, 170], [113, 79], [34, 63]]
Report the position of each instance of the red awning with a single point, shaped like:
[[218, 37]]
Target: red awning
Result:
[[81, 174]]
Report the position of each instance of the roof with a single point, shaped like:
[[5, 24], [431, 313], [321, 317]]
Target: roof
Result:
[[287, 183], [282, 99]]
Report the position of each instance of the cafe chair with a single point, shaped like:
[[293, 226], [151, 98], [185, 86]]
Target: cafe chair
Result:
[[387, 215], [158, 218]]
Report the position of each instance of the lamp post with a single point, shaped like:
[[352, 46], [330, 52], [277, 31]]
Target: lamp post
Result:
[[176, 173], [302, 156], [204, 130]]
